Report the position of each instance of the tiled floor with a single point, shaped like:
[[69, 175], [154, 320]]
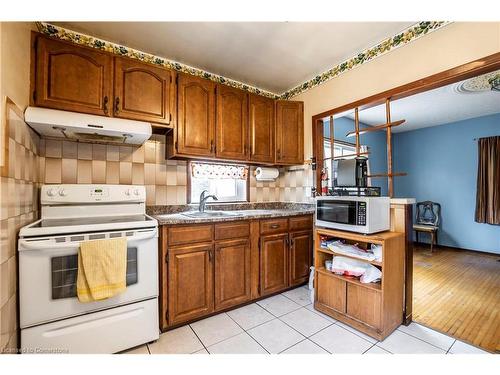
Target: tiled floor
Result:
[[287, 323]]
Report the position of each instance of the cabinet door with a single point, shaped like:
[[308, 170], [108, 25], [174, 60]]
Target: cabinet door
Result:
[[190, 282], [273, 263], [195, 116], [141, 91], [72, 78], [261, 122], [232, 273], [289, 132], [300, 257], [232, 123], [330, 292], [364, 304]]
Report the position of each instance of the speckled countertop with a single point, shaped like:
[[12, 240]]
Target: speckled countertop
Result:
[[241, 211]]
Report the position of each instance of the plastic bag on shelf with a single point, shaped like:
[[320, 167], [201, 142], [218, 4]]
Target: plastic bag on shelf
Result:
[[352, 267], [377, 251], [352, 250]]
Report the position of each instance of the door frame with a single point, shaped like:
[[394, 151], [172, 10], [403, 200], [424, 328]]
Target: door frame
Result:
[[459, 73]]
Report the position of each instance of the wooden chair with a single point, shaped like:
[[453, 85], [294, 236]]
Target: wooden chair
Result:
[[427, 220]]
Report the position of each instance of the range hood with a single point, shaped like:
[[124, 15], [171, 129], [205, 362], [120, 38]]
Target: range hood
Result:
[[86, 128]]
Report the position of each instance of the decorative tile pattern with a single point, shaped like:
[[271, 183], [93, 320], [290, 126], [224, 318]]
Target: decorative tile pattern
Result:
[[68, 162], [19, 186], [90, 41], [412, 33]]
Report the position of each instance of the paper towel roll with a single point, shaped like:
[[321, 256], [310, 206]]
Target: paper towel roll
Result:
[[266, 174]]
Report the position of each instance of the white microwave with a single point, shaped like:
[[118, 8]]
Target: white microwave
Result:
[[355, 214]]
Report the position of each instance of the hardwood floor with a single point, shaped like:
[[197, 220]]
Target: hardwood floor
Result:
[[457, 292]]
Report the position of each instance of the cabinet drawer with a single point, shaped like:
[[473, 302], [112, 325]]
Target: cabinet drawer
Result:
[[272, 226], [364, 304], [179, 235], [301, 223], [227, 231]]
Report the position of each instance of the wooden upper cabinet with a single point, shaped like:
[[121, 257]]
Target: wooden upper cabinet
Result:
[[72, 78], [232, 273], [190, 282], [289, 132], [142, 91], [195, 116], [261, 123], [232, 123]]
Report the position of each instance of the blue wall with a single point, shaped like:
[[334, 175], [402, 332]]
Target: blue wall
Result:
[[441, 163], [375, 141]]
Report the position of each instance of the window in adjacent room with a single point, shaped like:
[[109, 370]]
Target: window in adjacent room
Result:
[[228, 182]]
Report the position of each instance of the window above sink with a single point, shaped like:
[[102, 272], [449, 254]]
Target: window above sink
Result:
[[228, 182]]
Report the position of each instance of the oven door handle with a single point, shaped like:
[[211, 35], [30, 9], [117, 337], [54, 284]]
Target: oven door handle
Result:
[[51, 245]]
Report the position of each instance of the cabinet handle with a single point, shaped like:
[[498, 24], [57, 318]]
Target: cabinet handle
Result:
[[210, 256], [275, 226], [279, 153], [292, 242], [212, 146], [117, 105], [105, 102]]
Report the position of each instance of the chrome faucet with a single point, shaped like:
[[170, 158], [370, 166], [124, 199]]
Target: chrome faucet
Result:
[[203, 200]]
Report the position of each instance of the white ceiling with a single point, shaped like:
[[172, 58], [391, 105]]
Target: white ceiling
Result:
[[274, 56], [436, 107]]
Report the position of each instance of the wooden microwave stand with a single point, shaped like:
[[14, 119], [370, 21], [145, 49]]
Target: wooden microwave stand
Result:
[[374, 308]]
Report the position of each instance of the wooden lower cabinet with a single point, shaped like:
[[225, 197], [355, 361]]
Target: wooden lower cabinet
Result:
[[330, 292], [232, 273], [190, 282], [215, 267], [273, 263], [375, 309], [300, 257], [364, 305]]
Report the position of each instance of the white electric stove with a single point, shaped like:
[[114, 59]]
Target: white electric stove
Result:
[[52, 319]]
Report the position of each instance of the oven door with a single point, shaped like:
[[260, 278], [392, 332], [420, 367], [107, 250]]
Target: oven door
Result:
[[337, 211], [48, 269]]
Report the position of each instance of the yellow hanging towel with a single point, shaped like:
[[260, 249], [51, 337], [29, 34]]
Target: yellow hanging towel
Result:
[[102, 267]]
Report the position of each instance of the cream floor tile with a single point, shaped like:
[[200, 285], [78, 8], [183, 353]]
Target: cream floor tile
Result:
[[178, 341], [239, 344], [376, 350], [275, 336], [202, 351], [215, 329], [301, 296], [278, 305], [400, 343], [336, 339], [250, 316], [143, 349], [305, 321], [311, 308], [305, 347], [460, 347], [428, 335], [356, 332]]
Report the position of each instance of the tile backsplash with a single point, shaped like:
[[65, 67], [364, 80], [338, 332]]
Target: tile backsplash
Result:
[[19, 185], [69, 162]]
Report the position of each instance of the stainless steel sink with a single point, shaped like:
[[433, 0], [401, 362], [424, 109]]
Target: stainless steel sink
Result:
[[208, 214]]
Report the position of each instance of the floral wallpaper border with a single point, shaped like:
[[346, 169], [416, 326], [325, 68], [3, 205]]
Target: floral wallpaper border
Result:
[[410, 34]]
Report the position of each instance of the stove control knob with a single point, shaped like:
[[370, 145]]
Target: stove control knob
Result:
[[136, 191], [51, 192], [128, 192], [63, 193]]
